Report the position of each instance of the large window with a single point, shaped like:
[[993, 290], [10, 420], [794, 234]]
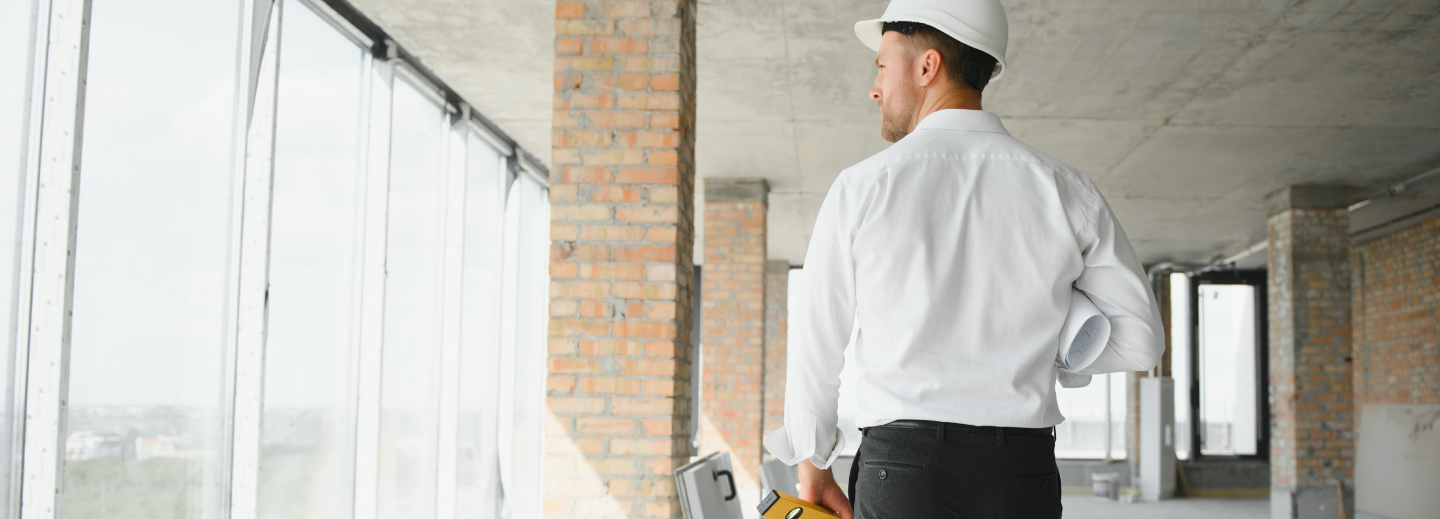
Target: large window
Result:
[[477, 454], [153, 268], [414, 277], [307, 466], [523, 345], [308, 280]]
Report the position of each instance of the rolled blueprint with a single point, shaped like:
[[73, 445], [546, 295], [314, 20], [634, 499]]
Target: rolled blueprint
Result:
[[1084, 334]]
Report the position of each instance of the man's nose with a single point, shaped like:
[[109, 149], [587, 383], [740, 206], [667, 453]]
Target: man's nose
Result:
[[874, 94]]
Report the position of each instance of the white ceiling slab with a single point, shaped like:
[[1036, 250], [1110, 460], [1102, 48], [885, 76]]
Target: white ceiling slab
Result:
[[1186, 113]]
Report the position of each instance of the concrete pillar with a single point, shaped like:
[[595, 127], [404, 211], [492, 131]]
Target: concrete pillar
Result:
[[622, 189], [733, 325], [1312, 448], [777, 319]]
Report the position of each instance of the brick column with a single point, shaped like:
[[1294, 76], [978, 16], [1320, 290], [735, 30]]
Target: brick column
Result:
[[622, 186], [733, 325], [1312, 447], [777, 300]]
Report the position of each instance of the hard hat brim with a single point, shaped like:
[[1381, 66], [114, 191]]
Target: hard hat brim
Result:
[[870, 33]]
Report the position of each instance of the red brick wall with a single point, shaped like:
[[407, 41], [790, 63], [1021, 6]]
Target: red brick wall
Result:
[[733, 333], [1397, 317], [622, 189]]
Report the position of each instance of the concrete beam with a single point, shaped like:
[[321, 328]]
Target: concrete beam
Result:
[[1307, 196], [736, 190]]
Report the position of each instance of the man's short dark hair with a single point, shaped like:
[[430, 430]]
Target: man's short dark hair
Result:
[[964, 64]]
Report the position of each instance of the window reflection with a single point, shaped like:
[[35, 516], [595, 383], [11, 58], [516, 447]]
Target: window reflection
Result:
[[409, 401], [15, 50], [147, 415], [307, 466]]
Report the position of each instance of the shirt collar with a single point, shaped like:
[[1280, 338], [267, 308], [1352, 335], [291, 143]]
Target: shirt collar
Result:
[[964, 120]]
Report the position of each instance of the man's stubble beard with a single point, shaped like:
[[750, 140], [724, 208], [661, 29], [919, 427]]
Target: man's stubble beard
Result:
[[897, 113]]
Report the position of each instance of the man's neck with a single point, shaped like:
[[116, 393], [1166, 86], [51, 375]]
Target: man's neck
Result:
[[946, 98]]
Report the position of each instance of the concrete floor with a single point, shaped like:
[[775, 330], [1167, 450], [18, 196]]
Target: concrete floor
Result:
[[1087, 507]]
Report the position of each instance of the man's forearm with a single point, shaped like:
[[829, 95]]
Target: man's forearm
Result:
[[813, 477]]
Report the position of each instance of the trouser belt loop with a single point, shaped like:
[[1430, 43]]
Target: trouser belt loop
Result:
[[940, 432], [1000, 436]]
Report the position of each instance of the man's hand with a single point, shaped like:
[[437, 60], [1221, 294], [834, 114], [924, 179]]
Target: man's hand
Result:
[[819, 487]]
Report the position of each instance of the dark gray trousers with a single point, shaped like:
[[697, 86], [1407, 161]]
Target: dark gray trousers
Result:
[[913, 469]]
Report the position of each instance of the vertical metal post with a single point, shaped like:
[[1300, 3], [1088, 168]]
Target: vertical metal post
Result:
[[26, 256], [372, 304], [66, 49], [259, 172]]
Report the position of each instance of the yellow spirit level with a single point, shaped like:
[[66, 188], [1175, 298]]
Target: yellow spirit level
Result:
[[779, 505]]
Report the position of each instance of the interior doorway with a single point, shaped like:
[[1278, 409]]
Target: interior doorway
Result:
[[1221, 368]]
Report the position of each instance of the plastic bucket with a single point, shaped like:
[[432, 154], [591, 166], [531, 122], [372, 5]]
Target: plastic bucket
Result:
[[1107, 485]]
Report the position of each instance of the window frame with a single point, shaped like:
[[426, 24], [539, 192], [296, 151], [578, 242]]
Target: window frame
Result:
[[1259, 280]]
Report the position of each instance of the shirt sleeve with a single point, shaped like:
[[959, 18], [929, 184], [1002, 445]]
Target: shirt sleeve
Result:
[[1116, 283], [819, 330]]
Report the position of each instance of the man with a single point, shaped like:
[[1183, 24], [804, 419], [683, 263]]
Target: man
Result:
[[954, 252]]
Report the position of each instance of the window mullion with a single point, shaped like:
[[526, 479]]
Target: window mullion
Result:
[[372, 305], [57, 171], [450, 336], [256, 210]]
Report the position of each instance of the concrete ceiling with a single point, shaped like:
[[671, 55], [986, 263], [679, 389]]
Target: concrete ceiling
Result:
[[1184, 113], [498, 55]]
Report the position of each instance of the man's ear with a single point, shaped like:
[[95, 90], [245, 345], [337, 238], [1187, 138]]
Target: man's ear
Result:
[[928, 67]]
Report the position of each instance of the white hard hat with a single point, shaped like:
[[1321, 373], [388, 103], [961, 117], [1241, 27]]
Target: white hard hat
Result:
[[978, 23]]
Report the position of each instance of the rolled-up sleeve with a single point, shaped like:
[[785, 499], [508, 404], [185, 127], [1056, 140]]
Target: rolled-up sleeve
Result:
[[819, 329], [1115, 281]]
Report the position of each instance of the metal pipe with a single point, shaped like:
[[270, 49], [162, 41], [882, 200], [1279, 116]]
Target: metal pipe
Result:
[[1252, 249], [1389, 192], [1396, 189]]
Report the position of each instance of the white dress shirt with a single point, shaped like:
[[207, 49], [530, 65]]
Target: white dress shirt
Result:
[[955, 251]]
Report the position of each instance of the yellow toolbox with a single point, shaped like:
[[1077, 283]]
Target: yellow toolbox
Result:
[[779, 505]]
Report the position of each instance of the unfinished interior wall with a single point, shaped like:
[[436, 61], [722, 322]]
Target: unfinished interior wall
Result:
[[1396, 350], [1396, 302]]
